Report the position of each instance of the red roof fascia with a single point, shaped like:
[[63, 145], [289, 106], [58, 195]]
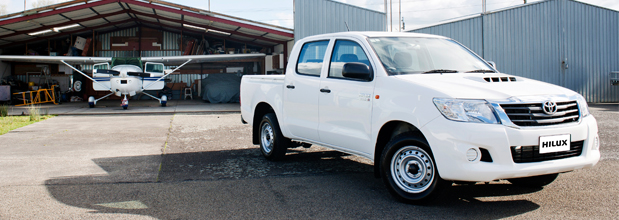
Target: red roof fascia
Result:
[[211, 18], [55, 12]]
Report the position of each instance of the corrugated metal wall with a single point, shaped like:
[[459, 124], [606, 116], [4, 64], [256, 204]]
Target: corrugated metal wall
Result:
[[312, 17], [460, 31], [536, 40], [526, 41], [186, 78], [592, 50], [169, 45], [106, 38]]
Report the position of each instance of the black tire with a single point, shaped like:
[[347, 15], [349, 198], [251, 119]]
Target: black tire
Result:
[[58, 97], [273, 144], [411, 177], [534, 181]]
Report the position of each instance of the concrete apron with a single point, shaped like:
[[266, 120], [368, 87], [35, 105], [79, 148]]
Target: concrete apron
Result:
[[97, 149], [135, 107]]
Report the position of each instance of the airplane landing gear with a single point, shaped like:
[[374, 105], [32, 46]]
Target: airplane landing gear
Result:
[[91, 101], [125, 103], [164, 100]]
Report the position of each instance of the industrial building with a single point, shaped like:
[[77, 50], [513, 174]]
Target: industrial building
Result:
[[312, 17], [564, 42], [137, 28], [133, 28]]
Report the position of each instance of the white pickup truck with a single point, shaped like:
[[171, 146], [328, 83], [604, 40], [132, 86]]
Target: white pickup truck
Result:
[[427, 111]]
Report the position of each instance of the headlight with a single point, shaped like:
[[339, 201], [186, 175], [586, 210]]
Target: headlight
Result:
[[582, 104], [466, 110]]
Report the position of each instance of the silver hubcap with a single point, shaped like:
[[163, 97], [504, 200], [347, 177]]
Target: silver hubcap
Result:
[[267, 138], [412, 169]]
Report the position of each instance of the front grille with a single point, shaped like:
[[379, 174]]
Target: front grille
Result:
[[533, 115], [528, 154]]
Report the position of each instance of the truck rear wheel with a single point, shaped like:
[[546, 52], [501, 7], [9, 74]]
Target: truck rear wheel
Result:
[[409, 171], [535, 181], [273, 144]]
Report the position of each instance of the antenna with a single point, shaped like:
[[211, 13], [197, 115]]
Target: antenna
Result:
[[347, 26]]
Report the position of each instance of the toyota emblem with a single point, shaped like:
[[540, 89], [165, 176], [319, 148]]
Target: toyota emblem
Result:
[[550, 107]]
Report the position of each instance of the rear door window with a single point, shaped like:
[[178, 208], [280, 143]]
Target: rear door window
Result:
[[312, 57]]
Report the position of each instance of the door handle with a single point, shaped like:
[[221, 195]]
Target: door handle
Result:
[[290, 86], [325, 90]]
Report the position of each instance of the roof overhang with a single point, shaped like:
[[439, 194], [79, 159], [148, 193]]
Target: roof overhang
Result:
[[81, 17]]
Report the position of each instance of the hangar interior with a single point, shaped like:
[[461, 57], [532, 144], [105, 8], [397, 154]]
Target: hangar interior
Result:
[[134, 28]]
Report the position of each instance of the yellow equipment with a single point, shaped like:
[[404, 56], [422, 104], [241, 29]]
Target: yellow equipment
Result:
[[39, 96]]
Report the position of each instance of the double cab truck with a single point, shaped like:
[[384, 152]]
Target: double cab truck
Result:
[[424, 108]]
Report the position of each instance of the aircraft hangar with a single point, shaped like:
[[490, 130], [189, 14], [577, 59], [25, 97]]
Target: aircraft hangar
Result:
[[134, 28]]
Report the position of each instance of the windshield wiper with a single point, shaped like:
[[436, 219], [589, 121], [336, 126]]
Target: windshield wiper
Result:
[[481, 71], [441, 71]]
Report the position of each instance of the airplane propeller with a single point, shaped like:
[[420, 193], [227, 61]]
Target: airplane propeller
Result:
[[111, 72], [138, 74]]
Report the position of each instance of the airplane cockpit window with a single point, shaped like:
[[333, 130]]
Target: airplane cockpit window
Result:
[[154, 68], [101, 66]]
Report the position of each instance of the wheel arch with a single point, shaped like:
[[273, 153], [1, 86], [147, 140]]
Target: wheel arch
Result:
[[386, 133], [261, 109]]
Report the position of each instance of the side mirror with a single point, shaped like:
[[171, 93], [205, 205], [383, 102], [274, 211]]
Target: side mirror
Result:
[[492, 63], [357, 71]]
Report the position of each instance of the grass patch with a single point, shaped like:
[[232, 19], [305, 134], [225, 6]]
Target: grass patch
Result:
[[4, 110], [34, 112], [9, 123]]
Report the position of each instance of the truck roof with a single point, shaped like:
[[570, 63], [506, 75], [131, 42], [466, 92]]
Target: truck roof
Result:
[[364, 34]]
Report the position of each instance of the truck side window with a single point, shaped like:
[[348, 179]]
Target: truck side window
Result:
[[311, 58], [346, 51]]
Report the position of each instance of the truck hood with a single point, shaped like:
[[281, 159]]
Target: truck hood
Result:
[[489, 86]]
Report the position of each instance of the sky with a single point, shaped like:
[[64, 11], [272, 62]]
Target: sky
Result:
[[416, 13]]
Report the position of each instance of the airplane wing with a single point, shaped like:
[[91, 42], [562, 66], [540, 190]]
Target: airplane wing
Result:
[[177, 60], [56, 59], [167, 60]]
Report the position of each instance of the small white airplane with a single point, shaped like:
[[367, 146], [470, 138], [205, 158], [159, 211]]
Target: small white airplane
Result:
[[125, 75]]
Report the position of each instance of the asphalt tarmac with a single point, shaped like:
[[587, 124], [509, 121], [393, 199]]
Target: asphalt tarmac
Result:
[[203, 166]]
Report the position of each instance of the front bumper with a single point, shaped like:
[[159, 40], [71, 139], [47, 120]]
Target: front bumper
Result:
[[450, 141]]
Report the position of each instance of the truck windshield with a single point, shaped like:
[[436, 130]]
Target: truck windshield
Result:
[[413, 55]]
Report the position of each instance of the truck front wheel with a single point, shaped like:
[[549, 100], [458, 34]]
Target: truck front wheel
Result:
[[409, 171], [273, 144]]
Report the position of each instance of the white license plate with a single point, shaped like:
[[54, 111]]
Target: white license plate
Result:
[[556, 143]]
